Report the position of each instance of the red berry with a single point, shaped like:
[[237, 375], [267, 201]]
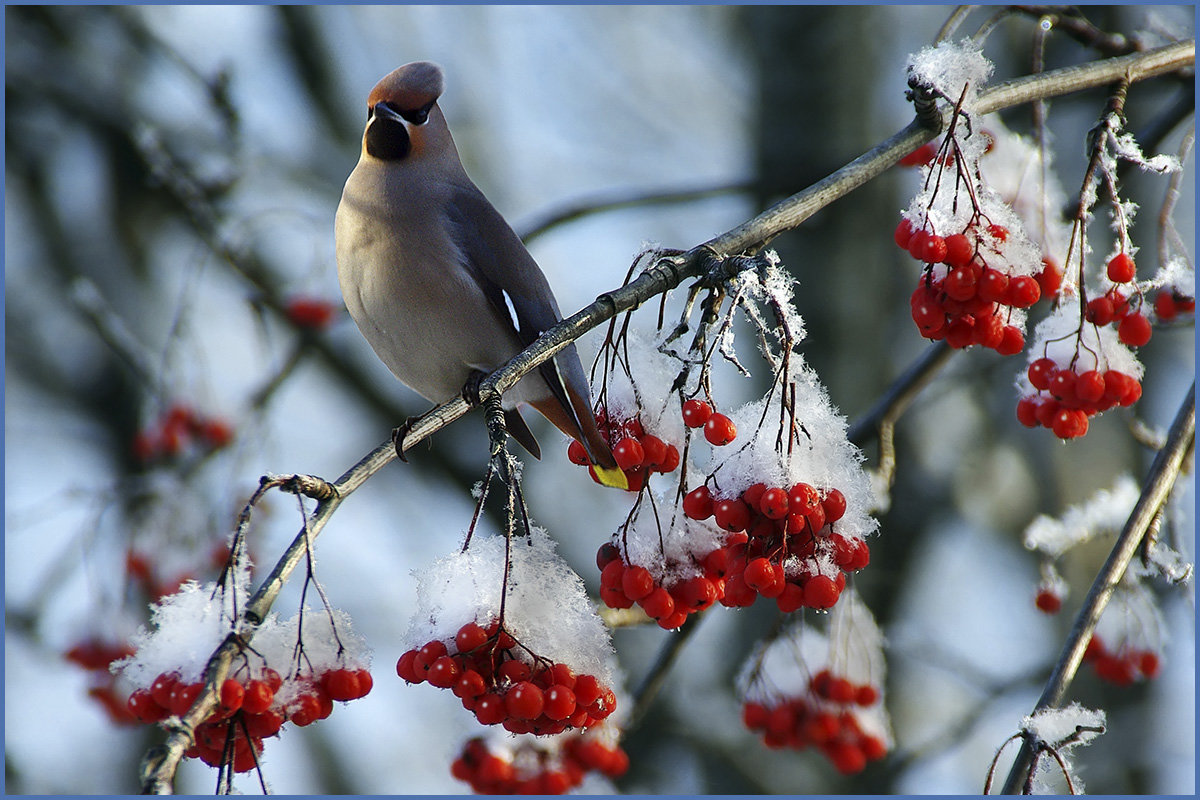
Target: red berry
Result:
[[1164, 305], [958, 250], [1023, 291], [1027, 412], [577, 453], [719, 430], [820, 592], [834, 505], [655, 450], [866, 695], [1062, 385], [1121, 268], [670, 461], [524, 700], [759, 574], [846, 758], [919, 157], [629, 454], [1050, 278], [694, 594], [490, 709], [774, 503], [1041, 371], [841, 690], [934, 249], [993, 285], [514, 671], [306, 312], [658, 604], [1099, 311], [1134, 330], [636, 583], [1069, 423], [141, 704], [470, 684], [903, 232], [696, 413], [1115, 670], [698, 503], [1048, 602], [999, 232], [960, 284], [305, 710], [560, 702], [803, 498], [731, 515], [442, 673], [1148, 664], [1012, 341], [469, 637], [259, 695]]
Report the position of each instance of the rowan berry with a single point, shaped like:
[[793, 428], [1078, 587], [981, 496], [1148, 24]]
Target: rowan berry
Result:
[[1121, 268], [696, 413], [719, 430]]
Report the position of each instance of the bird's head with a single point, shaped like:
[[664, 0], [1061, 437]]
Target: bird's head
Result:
[[403, 120]]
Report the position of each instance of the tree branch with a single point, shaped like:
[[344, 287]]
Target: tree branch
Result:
[[1163, 473]]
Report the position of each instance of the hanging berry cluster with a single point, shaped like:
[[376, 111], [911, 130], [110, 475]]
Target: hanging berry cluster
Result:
[[96, 655], [804, 689], [530, 765], [328, 664], [507, 627], [502, 684]]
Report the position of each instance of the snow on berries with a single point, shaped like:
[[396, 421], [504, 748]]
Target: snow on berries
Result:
[[267, 685], [1074, 373], [523, 648], [981, 268], [806, 688]]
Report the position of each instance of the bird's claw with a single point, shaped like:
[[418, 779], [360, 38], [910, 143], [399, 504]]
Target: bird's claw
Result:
[[398, 434]]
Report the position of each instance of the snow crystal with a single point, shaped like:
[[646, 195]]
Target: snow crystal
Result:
[[948, 66], [1064, 728], [647, 395], [547, 608], [1105, 512], [1176, 274]]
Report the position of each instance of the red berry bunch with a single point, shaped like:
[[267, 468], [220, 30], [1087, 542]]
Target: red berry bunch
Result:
[[1114, 308], [1169, 303], [95, 655], [255, 707], [968, 291], [1122, 667], [177, 430], [1065, 399], [487, 671], [622, 585], [532, 768], [637, 453], [825, 718], [781, 544], [310, 312]]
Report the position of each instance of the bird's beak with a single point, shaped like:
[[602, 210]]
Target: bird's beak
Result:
[[384, 111]]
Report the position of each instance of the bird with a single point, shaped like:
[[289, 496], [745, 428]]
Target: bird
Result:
[[437, 281]]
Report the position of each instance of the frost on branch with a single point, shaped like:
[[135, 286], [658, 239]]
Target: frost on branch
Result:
[[1104, 513], [807, 688], [1058, 730], [950, 67]]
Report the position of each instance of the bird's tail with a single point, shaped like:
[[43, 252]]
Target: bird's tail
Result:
[[574, 418]]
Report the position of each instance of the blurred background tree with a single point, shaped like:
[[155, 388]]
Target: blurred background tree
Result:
[[174, 330]]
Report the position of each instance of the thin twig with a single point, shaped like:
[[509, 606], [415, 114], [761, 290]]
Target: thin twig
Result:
[[1161, 479]]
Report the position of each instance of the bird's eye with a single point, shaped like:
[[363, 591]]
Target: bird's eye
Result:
[[417, 116]]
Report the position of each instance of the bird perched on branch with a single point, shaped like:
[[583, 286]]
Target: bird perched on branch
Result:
[[437, 282]]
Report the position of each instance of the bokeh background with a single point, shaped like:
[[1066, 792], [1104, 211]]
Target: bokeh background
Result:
[[171, 176]]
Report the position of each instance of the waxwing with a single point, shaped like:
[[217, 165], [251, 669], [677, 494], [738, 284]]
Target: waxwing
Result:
[[437, 282]]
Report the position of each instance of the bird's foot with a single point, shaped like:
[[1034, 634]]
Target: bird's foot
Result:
[[470, 391], [398, 435]]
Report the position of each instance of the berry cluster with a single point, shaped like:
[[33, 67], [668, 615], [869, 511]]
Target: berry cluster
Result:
[[967, 293], [177, 430], [637, 453], [1065, 399], [310, 312], [825, 718], [719, 429], [532, 769], [1169, 303], [96, 655], [622, 585], [486, 672], [1123, 667], [781, 544], [1114, 306], [248, 710]]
